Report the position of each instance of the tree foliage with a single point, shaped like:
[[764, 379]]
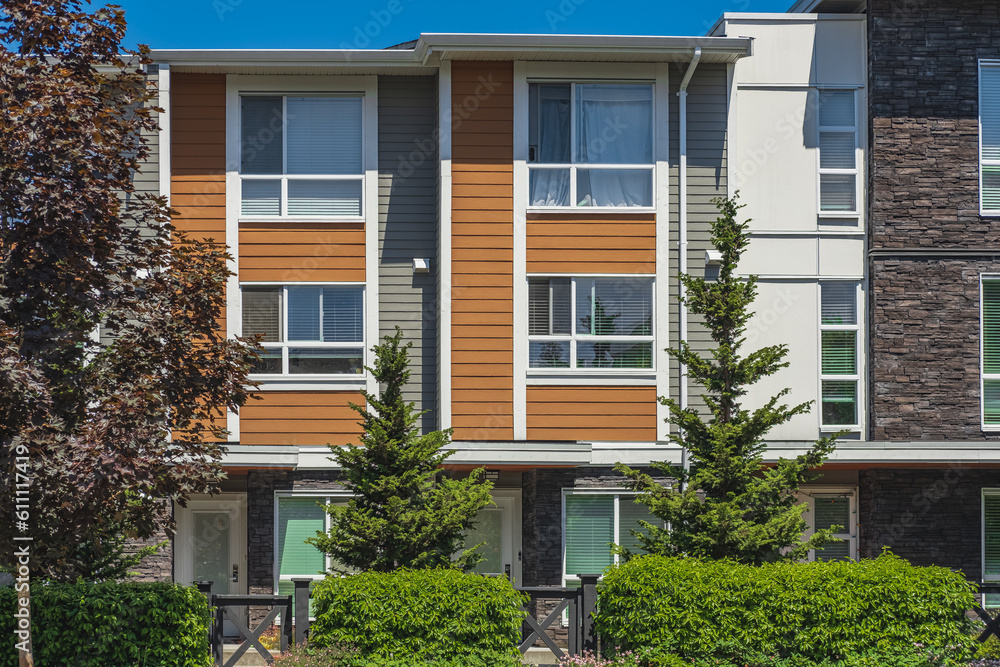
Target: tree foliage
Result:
[[405, 511], [729, 505], [109, 429]]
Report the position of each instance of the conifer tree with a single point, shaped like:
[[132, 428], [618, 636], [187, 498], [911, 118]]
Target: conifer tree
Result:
[[729, 504], [405, 511]]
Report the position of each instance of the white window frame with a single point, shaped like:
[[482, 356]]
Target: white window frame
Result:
[[821, 171], [982, 529], [808, 494], [283, 345], [573, 165], [983, 375], [858, 355], [983, 64], [326, 497], [618, 493], [574, 337], [285, 177]]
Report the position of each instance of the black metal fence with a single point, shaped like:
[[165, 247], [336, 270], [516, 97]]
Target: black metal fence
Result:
[[579, 604]]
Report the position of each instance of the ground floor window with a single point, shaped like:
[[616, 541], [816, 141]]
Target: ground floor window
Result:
[[991, 542], [592, 522], [832, 507], [297, 518]]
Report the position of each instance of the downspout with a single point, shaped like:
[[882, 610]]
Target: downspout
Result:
[[682, 242]]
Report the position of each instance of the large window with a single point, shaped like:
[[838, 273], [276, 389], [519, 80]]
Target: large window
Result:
[[991, 542], [590, 144], [301, 157], [838, 140], [307, 329], [595, 521], [298, 519], [839, 355], [989, 137], [590, 323], [991, 351]]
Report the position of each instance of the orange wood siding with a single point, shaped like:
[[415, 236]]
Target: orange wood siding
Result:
[[578, 243], [304, 252], [482, 250], [592, 413], [301, 418]]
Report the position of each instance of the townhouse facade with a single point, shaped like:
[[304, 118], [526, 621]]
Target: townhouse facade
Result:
[[521, 205]]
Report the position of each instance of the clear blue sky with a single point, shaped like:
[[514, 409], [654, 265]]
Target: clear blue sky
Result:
[[228, 24]]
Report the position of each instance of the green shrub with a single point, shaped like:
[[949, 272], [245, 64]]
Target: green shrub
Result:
[[312, 657], [882, 609], [120, 624], [439, 613]]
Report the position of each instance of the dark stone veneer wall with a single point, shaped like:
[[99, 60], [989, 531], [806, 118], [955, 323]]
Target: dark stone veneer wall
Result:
[[924, 185]]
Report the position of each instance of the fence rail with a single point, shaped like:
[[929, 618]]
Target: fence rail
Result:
[[579, 603]]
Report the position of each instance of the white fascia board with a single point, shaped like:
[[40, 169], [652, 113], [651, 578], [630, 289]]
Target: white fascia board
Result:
[[260, 456], [316, 458], [520, 453], [895, 453]]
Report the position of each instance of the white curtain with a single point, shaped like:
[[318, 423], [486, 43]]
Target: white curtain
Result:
[[550, 187]]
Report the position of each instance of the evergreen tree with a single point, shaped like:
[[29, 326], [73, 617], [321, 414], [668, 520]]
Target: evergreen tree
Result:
[[729, 505], [405, 511]]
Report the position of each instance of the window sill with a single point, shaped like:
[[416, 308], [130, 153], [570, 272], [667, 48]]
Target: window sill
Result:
[[310, 383], [838, 214], [642, 379], [605, 210], [312, 219]]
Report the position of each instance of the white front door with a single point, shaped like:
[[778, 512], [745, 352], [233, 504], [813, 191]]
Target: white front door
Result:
[[211, 544], [499, 528]]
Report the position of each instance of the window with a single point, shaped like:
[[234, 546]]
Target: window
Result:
[[991, 542], [989, 137], [592, 522], [299, 518], [991, 351], [832, 509], [307, 329], [839, 372], [590, 144], [838, 140], [590, 323], [301, 157]]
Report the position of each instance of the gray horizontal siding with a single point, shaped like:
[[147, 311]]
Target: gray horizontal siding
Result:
[[408, 210]]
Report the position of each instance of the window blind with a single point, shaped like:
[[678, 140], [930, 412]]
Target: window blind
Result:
[[839, 353], [991, 525], [324, 135], [590, 521], [991, 326], [262, 312], [836, 108], [837, 192], [261, 135], [836, 150], [303, 313], [614, 307], [318, 198], [299, 519], [630, 513], [838, 303], [989, 111], [832, 511], [260, 197], [343, 315]]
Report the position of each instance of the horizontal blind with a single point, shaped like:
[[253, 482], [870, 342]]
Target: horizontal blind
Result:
[[991, 520], [837, 192], [262, 312], [299, 519], [340, 198], [991, 401], [630, 513], [590, 522], [832, 511], [839, 353], [549, 310], [260, 197], [627, 307], [836, 150], [324, 135], [991, 187], [303, 313], [261, 135], [836, 108], [839, 392], [343, 314], [834, 551], [838, 303], [991, 326], [989, 110]]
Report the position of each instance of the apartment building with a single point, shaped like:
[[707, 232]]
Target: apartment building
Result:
[[521, 205]]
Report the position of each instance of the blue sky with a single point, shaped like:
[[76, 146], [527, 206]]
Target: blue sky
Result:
[[227, 24]]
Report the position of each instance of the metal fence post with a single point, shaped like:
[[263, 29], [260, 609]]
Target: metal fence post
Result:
[[301, 608], [588, 582], [205, 587], [217, 633]]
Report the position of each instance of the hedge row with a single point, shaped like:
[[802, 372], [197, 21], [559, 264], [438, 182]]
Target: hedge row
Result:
[[813, 611], [121, 624], [438, 613]]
